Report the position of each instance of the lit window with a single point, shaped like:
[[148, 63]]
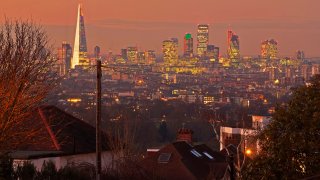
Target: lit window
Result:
[[164, 157], [195, 153], [208, 155]]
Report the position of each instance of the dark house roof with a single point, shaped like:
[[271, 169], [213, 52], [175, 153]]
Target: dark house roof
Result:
[[181, 160], [60, 131]]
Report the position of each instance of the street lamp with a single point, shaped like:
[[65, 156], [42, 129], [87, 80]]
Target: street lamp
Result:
[[248, 152]]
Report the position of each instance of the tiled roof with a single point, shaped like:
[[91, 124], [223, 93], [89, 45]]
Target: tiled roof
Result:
[[60, 131], [187, 162]]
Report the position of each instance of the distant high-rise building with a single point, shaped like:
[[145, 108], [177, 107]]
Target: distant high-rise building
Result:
[[306, 72], [188, 45], [300, 55], [170, 51], [233, 50], [110, 57], [175, 41], [216, 53], [150, 56], [132, 54], [315, 69], [269, 49], [64, 58], [210, 51], [141, 57], [202, 39], [97, 52], [124, 54], [213, 53], [80, 42]]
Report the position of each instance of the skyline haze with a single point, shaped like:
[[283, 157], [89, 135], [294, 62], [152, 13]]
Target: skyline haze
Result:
[[118, 24]]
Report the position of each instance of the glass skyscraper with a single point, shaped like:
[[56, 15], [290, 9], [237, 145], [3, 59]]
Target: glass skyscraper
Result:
[[80, 43], [170, 51], [233, 47], [202, 39], [188, 45]]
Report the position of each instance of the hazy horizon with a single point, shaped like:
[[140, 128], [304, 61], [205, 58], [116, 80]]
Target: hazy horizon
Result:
[[117, 24]]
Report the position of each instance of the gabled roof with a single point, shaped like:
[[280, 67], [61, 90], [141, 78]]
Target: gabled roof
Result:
[[187, 162], [60, 131]]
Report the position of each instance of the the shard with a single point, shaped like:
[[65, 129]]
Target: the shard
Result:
[[80, 43]]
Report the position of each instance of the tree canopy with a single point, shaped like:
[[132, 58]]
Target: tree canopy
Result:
[[290, 146]]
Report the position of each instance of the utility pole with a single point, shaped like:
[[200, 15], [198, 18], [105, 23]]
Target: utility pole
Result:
[[98, 122]]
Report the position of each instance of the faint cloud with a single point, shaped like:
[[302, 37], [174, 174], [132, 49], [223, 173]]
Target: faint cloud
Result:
[[281, 23], [140, 25]]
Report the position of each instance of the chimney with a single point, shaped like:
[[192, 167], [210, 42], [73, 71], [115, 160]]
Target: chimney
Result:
[[185, 134], [152, 152]]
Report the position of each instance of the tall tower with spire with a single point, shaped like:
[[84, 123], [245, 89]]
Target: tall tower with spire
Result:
[[80, 42]]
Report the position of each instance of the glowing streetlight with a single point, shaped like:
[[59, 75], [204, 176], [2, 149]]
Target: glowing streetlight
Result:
[[248, 152]]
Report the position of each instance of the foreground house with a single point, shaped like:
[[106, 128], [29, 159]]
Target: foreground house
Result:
[[237, 136], [60, 138], [182, 160]]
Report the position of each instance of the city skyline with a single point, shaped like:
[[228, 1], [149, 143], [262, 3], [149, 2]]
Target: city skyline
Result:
[[293, 24]]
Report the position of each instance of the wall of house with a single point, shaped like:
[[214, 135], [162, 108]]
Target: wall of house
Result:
[[90, 158]]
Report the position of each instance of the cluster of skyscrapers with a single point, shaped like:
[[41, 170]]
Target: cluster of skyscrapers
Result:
[[199, 51], [204, 50], [132, 55]]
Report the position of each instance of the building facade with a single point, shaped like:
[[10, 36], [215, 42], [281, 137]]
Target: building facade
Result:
[[202, 39], [80, 43], [132, 55], [64, 58], [170, 51], [241, 137], [269, 49], [97, 52], [188, 45], [150, 57], [233, 50]]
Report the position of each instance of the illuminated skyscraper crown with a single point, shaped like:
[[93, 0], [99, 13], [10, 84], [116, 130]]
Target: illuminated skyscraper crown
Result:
[[80, 42]]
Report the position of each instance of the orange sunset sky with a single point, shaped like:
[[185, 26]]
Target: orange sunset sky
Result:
[[116, 24]]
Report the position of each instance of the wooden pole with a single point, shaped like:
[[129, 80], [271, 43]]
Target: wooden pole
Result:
[[98, 122]]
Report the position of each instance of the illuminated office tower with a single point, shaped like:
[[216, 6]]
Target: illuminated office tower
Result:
[[175, 42], [64, 58], [233, 50], [124, 54], [141, 57], [170, 51], [97, 52], [216, 52], [213, 53], [202, 39], [306, 72], [150, 56], [269, 49], [210, 51], [300, 55], [315, 69], [289, 72], [132, 55], [80, 42], [188, 45], [65, 53], [110, 57], [272, 73]]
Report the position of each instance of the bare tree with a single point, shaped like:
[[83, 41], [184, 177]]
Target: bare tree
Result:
[[122, 140], [124, 149], [26, 76]]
